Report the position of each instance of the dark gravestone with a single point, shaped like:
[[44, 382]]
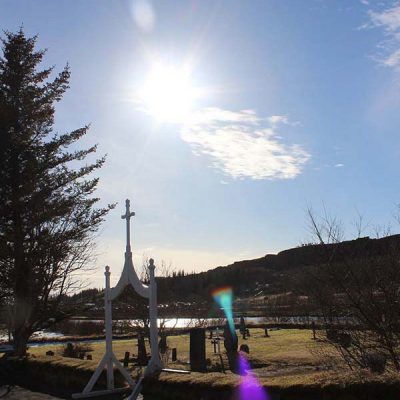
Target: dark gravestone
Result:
[[242, 328], [198, 349], [230, 340], [231, 347], [142, 354], [162, 344], [266, 332], [49, 353], [345, 339], [89, 357], [126, 359], [376, 362], [245, 348], [332, 334], [174, 354], [69, 350]]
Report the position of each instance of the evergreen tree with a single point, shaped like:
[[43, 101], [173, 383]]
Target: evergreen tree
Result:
[[48, 214]]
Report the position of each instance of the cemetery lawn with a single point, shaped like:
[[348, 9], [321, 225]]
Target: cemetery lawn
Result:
[[285, 346], [288, 358]]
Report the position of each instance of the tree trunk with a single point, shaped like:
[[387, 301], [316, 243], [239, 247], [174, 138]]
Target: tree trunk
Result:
[[21, 341]]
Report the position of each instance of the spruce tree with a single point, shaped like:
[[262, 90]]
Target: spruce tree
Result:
[[48, 211]]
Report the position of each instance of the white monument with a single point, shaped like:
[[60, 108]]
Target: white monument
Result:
[[128, 277]]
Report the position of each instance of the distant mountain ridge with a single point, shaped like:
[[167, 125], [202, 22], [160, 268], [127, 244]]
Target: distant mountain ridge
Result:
[[268, 274], [256, 283]]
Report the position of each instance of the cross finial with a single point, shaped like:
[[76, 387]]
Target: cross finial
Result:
[[128, 214]]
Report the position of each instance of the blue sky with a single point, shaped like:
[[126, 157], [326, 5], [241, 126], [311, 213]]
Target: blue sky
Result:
[[298, 105]]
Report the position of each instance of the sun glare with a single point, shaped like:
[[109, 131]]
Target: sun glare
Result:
[[168, 94]]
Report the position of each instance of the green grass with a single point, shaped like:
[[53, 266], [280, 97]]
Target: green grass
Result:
[[288, 358], [290, 346]]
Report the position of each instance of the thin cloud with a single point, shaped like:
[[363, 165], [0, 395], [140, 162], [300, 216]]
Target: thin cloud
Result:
[[243, 145], [339, 165], [388, 20], [276, 119]]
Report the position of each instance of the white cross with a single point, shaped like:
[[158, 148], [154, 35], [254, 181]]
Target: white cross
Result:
[[128, 214]]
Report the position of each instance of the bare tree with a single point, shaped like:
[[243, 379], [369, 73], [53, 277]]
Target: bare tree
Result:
[[356, 289], [138, 306]]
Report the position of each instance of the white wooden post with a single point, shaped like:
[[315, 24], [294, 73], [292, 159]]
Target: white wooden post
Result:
[[128, 277], [108, 327], [155, 363]]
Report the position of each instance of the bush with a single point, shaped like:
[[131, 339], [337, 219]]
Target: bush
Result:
[[79, 328]]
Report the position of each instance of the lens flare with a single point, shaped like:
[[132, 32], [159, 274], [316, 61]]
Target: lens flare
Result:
[[143, 15], [249, 387], [223, 297]]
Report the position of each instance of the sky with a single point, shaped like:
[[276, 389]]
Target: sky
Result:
[[223, 121]]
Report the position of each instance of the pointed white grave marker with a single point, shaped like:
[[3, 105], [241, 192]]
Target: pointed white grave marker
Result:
[[128, 277]]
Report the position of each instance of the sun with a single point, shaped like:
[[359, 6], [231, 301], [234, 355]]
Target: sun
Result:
[[168, 94]]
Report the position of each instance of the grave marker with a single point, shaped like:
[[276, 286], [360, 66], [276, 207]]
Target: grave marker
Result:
[[128, 277], [197, 349]]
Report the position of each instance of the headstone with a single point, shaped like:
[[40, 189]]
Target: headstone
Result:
[[266, 332], [245, 348], [230, 340], [50, 353], [69, 350], [89, 357], [126, 359], [332, 334], [345, 339], [242, 327], [197, 349], [162, 344], [174, 354], [376, 362], [231, 347], [142, 354]]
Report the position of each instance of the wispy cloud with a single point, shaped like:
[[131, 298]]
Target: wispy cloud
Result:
[[387, 19], [276, 119], [243, 145]]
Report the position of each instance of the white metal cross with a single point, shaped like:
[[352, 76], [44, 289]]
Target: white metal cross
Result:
[[128, 214]]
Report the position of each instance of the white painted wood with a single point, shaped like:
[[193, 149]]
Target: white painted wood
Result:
[[155, 363], [108, 327], [123, 371], [96, 375], [128, 277], [136, 391], [176, 371]]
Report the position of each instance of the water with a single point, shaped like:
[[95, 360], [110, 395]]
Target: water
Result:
[[208, 322], [180, 323]]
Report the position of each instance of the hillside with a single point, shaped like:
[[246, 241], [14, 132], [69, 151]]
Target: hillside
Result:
[[270, 274], [257, 284]]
